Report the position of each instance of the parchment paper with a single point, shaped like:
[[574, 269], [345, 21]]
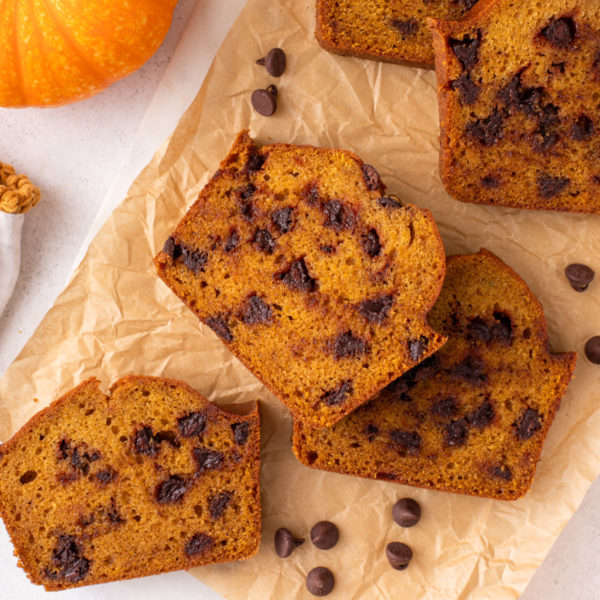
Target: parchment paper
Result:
[[116, 317]]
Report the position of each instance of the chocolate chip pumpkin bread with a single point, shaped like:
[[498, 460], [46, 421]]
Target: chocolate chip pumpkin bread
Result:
[[472, 418], [520, 118], [317, 281], [149, 479], [390, 30]]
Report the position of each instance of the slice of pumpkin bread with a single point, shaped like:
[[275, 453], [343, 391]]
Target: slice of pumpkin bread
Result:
[[151, 478], [473, 417], [318, 282]]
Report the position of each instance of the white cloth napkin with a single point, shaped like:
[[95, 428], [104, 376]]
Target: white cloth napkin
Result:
[[10, 254]]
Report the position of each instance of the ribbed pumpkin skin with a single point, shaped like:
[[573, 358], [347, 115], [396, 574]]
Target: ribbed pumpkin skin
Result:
[[57, 51]]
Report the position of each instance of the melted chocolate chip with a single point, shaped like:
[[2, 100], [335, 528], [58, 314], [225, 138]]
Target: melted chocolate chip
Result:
[[320, 581], [220, 327], [470, 369], [409, 441], [338, 216], [145, 442], [528, 424], [171, 248], [371, 431], [406, 512], [416, 348], [324, 535], [217, 504], [468, 90], [285, 542], [207, 460], [371, 177], [255, 163], [338, 395], [549, 186], [561, 32], [247, 191], [466, 50], [264, 240], [310, 194], [486, 131], [256, 310], [407, 27], [519, 98], [171, 489], [390, 202], [347, 345], [370, 243], [68, 557], [456, 432], [297, 277], [399, 555], [478, 331], [198, 544], [582, 129], [232, 241], [502, 330], [483, 415], [282, 219], [377, 309], [579, 276], [240, 432], [446, 407], [501, 472], [194, 260], [192, 424]]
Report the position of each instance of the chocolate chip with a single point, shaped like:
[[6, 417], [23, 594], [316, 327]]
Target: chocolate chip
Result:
[[470, 369], [478, 331], [486, 131], [171, 248], [371, 177], [466, 50], [296, 276], [446, 407], [144, 442], [549, 186], [467, 4], [522, 99], [408, 27], [264, 240], [561, 32], [320, 581], [256, 310], [273, 89], [67, 556], [347, 345], [171, 489], [207, 460], [425, 369], [338, 394], [198, 544], [64, 449], [27, 477], [310, 194], [502, 330], [467, 89], [240, 432], [371, 431], [264, 102], [106, 476], [377, 309], [502, 472], [220, 327], [232, 241], [324, 535], [456, 432], [275, 62], [390, 202], [528, 424], [338, 216], [483, 415], [370, 243], [113, 513], [217, 504], [255, 162], [580, 276], [592, 349], [282, 219], [399, 555], [194, 260], [490, 182], [582, 129], [285, 542], [406, 512], [416, 348], [192, 424], [409, 441]]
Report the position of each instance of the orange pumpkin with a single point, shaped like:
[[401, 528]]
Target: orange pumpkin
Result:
[[58, 51]]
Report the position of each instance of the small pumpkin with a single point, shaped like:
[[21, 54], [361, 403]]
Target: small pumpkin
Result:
[[58, 51]]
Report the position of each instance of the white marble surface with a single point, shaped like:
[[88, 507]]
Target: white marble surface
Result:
[[84, 156]]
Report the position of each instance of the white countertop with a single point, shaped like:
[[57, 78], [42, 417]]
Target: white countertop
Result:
[[81, 157]]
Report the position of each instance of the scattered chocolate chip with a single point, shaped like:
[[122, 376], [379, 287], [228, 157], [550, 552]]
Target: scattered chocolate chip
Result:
[[207, 460], [456, 432], [67, 556], [144, 442], [171, 489], [264, 240], [338, 216], [256, 161], [338, 395], [486, 131], [483, 415], [478, 331], [347, 345], [416, 348], [502, 472], [390, 202], [467, 89], [408, 27], [399, 555], [466, 50], [285, 542], [370, 243], [446, 407], [371, 177], [406, 512], [240, 432], [409, 441], [377, 309], [592, 349], [490, 182], [324, 535], [275, 62], [106, 476], [470, 369], [561, 32], [194, 260], [198, 544], [264, 102], [502, 330], [282, 219], [528, 424], [220, 327], [192, 424], [256, 310], [579, 276], [217, 504], [549, 186], [232, 241], [296, 276], [320, 581]]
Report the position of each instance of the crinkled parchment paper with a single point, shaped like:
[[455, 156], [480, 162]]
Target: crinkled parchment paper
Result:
[[116, 317]]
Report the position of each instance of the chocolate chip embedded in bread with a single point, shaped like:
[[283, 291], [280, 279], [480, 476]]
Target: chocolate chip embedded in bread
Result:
[[409, 441], [68, 557], [347, 345], [528, 424], [232, 241], [486, 131], [192, 424], [405, 27], [371, 176], [207, 460], [470, 369], [264, 240], [502, 330], [220, 327], [171, 489], [416, 348], [445, 407], [370, 243], [560, 32], [582, 129], [592, 349], [467, 89], [466, 50], [194, 260], [240, 432], [320, 581], [456, 432], [198, 543], [282, 219], [338, 394], [217, 504], [549, 186], [338, 216], [483, 415], [106, 476], [255, 162], [296, 276], [256, 310], [285, 542], [478, 330], [390, 202], [490, 182], [377, 309], [580, 276], [144, 442], [501, 472]]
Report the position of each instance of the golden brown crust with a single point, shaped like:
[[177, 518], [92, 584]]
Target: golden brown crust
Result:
[[153, 467], [471, 420], [314, 249]]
